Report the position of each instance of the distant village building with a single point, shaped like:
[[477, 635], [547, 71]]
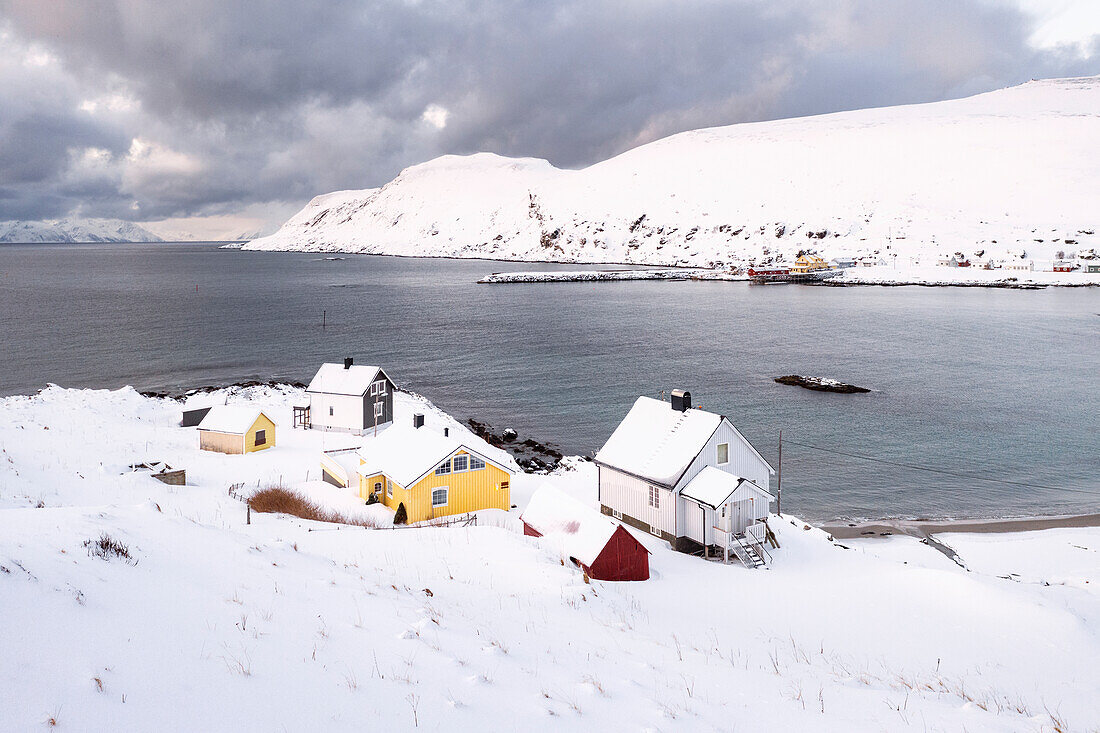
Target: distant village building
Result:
[[1064, 266], [236, 429], [687, 476], [807, 264], [604, 549], [427, 472], [347, 398], [1092, 266], [1019, 265], [843, 263]]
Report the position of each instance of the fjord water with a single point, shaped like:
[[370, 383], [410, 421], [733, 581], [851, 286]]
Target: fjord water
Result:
[[997, 384]]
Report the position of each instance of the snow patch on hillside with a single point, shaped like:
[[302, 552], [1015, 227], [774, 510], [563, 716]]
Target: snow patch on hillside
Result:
[[1010, 173]]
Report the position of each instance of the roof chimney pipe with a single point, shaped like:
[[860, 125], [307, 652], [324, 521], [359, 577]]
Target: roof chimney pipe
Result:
[[418, 420], [681, 400], [348, 361]]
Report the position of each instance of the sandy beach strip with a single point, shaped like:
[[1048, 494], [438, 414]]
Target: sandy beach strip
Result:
[[924, 528]]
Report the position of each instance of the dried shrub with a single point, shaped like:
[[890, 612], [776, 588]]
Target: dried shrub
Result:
[[280, 500], [107, 547]]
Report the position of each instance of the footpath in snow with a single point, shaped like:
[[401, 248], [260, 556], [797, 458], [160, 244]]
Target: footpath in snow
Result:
[[283, 624]]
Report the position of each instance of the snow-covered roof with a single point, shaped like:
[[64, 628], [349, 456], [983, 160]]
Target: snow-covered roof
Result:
[[714, 487], [335, 379], [658, 443], [583, 531], [235, 419], [405, 453]]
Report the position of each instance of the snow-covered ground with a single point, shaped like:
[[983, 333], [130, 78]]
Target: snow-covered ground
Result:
[[608, 275], [290, 625], [1009, 176]]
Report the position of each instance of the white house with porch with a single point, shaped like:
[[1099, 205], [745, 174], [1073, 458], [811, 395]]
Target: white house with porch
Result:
[[688, 476], [347, 398]]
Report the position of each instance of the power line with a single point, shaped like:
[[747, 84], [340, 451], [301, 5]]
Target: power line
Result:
[[941, 470]]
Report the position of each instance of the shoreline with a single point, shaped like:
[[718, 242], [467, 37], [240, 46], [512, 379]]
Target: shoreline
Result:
[[925, 528]]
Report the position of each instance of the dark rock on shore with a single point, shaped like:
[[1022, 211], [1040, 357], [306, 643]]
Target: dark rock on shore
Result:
[[530, 454], [181, 396], [820, 384]]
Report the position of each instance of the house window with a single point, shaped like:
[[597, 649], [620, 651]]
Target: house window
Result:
[[439, 497], [723, 453], [654, 497], [330, 412], [378, 388], [261, 437], [443, 468], [616, 513], [389, 489], [460, 463], [476, 464], [503, 485], [378, 407], [654, 530], [378, 487]]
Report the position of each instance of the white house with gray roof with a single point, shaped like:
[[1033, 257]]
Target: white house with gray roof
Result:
[[687, 476], [347, 398]]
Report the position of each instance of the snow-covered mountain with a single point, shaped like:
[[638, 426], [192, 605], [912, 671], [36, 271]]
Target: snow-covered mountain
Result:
[[75, 230], [1006, 172]]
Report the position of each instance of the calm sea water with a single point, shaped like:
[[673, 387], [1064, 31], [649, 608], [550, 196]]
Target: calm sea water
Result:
[[992, 383]]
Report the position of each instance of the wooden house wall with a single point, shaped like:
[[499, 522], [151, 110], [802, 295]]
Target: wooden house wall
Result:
[[630, 495]]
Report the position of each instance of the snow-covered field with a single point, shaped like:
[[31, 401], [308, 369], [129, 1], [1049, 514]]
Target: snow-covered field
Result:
[[287, 625], [1009, 176]]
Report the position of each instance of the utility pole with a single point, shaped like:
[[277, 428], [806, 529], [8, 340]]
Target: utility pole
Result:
[[779, 482], [324, 319]]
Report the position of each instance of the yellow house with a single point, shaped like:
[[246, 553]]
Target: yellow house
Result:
[[808, 263], [431, 474], [236, 429]]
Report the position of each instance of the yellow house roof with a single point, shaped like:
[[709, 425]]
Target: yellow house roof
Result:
[[234, 419]]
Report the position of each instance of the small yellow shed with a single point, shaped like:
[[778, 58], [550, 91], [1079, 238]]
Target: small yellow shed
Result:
[[236, 429]]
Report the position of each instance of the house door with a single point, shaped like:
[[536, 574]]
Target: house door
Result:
[[742, 515]]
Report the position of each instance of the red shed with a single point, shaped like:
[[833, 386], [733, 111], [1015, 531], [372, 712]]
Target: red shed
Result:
[[605, 549]]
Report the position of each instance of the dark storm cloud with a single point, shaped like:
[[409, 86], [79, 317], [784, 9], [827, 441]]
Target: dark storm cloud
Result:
[[237, 103]]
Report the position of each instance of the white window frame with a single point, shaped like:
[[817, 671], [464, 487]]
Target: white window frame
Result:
[[480, 463], [378, 388], [379, 409], [616, 513], [446, 496], [718, 456], [389, 488], [654, 530], [654, 497], [454, 463], [439, 469]]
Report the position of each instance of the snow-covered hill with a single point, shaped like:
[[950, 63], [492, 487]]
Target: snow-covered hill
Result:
[[215, 623], [75, 230], [1005, 172]]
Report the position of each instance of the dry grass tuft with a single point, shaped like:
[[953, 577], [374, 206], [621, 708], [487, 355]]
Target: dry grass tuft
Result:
[[280, 500], [107, 547]]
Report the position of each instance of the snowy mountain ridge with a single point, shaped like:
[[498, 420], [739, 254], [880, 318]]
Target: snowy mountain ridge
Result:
[[75, 230], [1006, 172]]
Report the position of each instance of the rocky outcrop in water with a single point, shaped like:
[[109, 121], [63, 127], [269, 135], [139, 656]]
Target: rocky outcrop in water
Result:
[[820, 384]]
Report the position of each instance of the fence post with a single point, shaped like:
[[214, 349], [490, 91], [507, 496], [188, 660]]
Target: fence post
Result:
[[248, 513]]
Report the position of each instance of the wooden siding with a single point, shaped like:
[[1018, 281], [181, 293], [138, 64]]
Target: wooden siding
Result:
[[387, 407], [743, 462], [467, 491], [262, 423], [232, 443], [630, 495], [347, 412]]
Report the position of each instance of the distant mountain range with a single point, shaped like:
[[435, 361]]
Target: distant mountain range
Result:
[[75, 230], [1007, 172]]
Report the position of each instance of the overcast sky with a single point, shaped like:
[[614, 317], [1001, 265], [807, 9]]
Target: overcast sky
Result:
[[216, 114]]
